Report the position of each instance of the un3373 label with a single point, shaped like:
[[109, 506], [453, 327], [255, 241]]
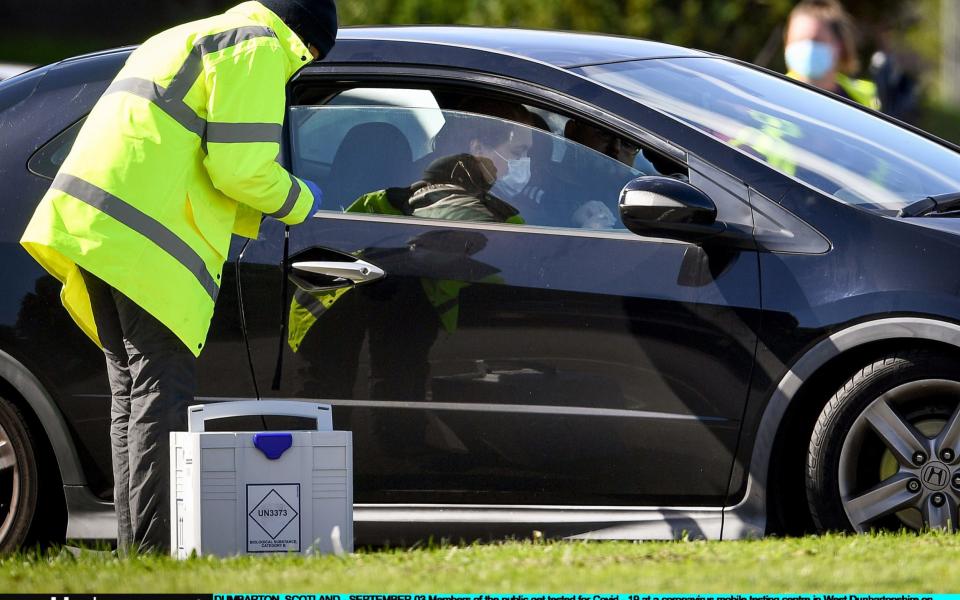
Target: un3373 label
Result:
[[273, 517]]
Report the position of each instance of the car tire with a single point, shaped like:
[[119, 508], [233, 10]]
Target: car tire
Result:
[[883, 453], [19, 481]]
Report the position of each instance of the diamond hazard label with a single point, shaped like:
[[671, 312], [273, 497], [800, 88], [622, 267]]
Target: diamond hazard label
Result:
[[273, 517]]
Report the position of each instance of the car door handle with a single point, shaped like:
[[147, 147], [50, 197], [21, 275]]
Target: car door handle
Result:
[[357, 271]]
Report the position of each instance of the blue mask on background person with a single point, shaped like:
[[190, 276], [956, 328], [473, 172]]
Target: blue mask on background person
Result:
[[809, 59]]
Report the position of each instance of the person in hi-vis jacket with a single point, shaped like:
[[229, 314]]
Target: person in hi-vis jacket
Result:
[[178, 154]]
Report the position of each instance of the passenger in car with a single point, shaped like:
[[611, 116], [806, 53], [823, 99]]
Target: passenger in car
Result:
[[477, 165], [459, 188], [544, 192], [451, 139]]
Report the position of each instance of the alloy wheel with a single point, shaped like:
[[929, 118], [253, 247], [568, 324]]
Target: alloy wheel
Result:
[[917, 477], [9, 483]]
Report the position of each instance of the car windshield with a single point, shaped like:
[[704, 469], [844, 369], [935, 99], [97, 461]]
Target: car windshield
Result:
[[839, 149]]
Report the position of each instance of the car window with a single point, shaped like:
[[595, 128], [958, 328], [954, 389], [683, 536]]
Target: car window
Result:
[[430, 162], [403, 97], [319, 138], [46, 161], [839, 149]]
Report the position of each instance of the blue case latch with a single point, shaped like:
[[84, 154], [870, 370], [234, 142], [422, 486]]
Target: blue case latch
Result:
[[273, 445]]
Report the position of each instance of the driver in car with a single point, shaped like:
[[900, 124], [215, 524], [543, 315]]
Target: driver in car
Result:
[[583, 174]]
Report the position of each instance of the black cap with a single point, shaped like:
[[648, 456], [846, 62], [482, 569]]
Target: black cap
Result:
[[472, 173], [315, 21]]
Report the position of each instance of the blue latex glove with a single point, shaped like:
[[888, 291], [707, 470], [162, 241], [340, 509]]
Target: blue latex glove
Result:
[[317, 196]]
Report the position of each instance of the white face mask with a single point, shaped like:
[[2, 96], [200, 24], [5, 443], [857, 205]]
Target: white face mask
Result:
[[516, 178]]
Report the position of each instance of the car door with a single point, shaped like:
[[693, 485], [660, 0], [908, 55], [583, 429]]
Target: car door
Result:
[[542, 362]]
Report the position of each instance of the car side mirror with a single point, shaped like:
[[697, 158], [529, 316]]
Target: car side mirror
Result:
[[664, 207]]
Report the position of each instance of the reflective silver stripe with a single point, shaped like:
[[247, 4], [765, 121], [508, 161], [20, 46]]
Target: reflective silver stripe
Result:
[[216, 42], [187, 75], [290, 202], [142, 223], [239, 133], [171, 99], [154, 92], [309, 303], [138, 87], [190, 69]]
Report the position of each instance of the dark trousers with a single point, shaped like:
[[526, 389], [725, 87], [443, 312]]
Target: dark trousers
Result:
[[152, 381]]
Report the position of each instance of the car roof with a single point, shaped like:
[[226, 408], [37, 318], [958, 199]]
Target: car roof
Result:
[[558, 48]]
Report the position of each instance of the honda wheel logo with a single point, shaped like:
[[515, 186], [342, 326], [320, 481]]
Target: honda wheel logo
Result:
[[935, 476]]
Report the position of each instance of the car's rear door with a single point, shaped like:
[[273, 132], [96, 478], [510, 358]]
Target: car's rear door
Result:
[[586, 367]]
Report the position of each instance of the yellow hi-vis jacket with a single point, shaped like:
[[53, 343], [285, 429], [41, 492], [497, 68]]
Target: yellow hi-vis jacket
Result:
[[180, 152], [861, 91]]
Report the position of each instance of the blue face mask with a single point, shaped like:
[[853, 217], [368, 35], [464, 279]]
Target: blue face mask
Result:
[[809, 59], [516, 178]]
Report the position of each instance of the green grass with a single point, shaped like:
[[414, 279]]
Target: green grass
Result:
[[882, 563]]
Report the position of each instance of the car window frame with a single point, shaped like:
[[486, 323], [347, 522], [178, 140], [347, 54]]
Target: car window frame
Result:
[[522, 91]]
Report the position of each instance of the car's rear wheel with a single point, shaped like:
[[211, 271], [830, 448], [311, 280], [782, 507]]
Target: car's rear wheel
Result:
[[884, 452], [19, 484]]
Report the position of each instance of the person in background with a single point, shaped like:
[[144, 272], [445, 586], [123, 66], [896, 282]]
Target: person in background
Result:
[[895, 71], [820, 49]]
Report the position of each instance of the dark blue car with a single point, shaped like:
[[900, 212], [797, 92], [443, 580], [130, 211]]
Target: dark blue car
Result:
[[672, 293]]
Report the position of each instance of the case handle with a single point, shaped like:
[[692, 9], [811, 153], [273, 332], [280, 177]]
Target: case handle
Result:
[[199, 414]]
